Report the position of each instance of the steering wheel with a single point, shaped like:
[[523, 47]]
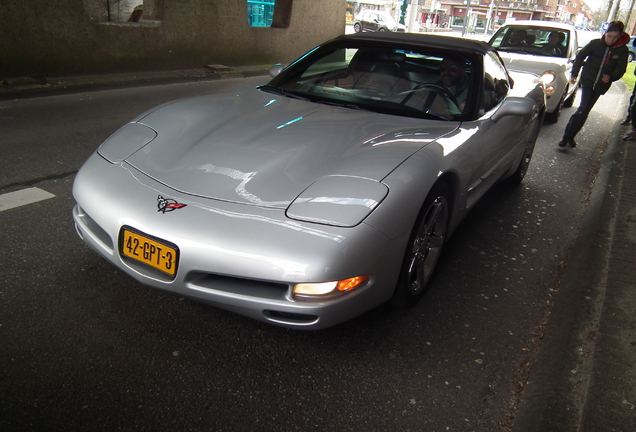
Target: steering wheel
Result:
[[442, 91]]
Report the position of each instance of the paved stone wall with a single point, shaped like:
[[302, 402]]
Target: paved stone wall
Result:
[[73, 37]]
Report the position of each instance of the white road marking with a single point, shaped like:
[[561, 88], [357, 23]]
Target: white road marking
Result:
[[23, 197]]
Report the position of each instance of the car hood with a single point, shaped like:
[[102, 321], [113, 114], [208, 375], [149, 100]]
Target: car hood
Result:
[[532, 63], [265, 150]]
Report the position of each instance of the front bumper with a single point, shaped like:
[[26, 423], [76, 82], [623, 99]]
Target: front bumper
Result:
[[244, 259]]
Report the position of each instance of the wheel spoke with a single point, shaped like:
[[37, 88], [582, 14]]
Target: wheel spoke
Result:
[[427, 245], [434, 238]]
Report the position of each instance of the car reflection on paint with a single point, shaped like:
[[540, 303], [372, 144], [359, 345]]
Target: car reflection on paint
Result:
[[321, 195]]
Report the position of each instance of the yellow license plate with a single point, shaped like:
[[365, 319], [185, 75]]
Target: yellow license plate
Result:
[[153, 252]]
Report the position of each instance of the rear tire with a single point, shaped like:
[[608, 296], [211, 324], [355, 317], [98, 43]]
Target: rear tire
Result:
[[357, 28], [424, 247]]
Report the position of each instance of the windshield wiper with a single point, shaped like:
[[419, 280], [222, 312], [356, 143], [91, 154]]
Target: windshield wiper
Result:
[[341, 105], [279, 91]]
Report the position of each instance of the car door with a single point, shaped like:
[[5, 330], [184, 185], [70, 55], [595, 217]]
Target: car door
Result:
[[502, 140], [373, 22]]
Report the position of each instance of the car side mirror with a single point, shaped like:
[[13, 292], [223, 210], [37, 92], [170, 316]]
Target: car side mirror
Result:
[[514, 106], [276, 69]]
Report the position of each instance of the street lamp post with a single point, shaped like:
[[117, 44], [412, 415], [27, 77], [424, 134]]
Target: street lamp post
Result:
[[489, 20], [465, 29], [413, 9]]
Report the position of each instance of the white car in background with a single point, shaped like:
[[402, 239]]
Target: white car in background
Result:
[[524, 46]]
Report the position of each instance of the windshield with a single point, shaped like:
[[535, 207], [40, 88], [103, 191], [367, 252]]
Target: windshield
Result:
[[420, 82], [543, 41], [388, 19]]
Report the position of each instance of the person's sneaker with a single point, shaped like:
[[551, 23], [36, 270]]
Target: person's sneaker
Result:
[[631, 135], [563, 142], [627, 121], [571, 143]]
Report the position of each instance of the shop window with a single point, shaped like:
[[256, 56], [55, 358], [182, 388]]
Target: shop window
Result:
[[458, 21], [269, 13]]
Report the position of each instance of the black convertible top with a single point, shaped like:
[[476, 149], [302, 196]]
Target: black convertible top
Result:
[[441, 42]]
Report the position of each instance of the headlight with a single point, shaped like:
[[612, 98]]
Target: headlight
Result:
[[548, 78], [338, 201], [126, 141], [326, 288]]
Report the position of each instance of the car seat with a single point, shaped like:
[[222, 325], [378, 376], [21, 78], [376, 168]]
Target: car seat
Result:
[[379, 71]]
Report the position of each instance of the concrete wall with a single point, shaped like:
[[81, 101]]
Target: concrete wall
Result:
[[70, 37]]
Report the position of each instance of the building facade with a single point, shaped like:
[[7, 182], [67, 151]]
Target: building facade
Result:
[[72, 37], [489, 14], [483, 15]]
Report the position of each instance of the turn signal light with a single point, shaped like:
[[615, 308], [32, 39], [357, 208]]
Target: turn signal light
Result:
[[325, 288]]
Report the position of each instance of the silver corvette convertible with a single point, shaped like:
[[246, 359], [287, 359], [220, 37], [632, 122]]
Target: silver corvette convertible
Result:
[[320, 195]]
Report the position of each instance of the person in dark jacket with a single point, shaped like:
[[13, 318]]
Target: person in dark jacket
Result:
[[605, 62]]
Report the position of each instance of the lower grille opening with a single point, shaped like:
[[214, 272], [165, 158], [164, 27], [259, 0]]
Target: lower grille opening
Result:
[[247, 287], [90, 225], [290, 318]]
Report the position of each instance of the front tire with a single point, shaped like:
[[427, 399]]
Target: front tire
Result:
[[424, 247], [570, 101], [518, 176], [357, 28], [553, 117]]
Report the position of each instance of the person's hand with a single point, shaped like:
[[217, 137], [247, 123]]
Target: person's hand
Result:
[[573, 80], [606, 78]]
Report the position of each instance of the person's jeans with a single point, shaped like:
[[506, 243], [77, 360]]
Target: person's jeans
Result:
[[588, 99]]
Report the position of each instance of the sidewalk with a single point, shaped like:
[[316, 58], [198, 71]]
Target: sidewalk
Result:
[[14, 87], [584, 377]]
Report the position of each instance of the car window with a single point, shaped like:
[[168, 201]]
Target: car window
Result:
[[420, 83], [496, 84], [542, 41], [335, 61], [388, 19]]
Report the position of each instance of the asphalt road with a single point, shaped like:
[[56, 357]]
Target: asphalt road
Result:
[[83, 347]]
